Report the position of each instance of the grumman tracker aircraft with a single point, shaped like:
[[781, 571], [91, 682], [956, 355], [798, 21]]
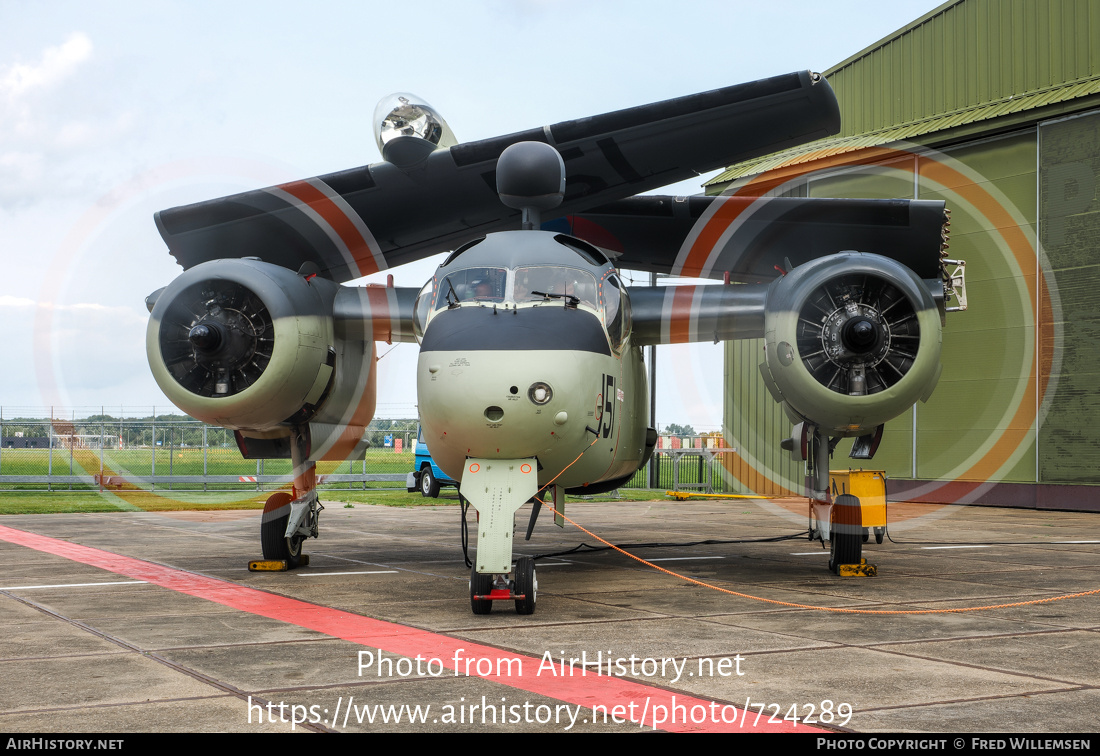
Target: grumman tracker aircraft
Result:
[[530, 375]]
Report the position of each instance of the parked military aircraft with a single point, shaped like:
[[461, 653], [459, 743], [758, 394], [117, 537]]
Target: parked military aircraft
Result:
[[530, 375]]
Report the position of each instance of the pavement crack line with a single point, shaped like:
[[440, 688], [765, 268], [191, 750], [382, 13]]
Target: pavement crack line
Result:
[[1074, 685], [194, 674], [977, 699]]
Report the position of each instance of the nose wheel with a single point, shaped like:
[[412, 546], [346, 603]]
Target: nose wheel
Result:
[[526, 585], [481, 588], [487, 588]]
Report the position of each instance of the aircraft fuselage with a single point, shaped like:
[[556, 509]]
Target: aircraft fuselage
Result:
[[525, 353]]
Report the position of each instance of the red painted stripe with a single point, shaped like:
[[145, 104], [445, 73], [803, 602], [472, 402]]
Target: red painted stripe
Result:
[[401, 640], [380, 315], [679, 327], [339, 221], [352, 433], [697, 257]]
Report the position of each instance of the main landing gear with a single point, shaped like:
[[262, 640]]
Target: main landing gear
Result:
[[843, 512], [289, 519], [522, 588], [845, 533], [276, 546]]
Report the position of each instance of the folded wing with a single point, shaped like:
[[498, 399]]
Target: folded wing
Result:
[[356, 222]]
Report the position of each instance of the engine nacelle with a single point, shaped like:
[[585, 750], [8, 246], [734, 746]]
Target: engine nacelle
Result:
[[851, 340], [244, 344]]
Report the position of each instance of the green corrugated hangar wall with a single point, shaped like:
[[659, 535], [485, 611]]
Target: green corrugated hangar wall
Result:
[[994, 107]]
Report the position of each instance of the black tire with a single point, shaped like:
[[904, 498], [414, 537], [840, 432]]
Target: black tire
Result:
[[879, 533], [866, 535], [480, 585], [429, 486], [273, 538], [527, 584], [846, 532]]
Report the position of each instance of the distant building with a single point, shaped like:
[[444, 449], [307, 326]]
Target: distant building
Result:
[[25, 442]]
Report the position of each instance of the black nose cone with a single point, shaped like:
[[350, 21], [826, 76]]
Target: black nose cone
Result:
[[860, 335], [205, 337]]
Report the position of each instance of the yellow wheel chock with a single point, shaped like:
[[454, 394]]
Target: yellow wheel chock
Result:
[[274, 565]]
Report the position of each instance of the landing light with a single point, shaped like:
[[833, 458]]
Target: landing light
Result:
[[405, 115]]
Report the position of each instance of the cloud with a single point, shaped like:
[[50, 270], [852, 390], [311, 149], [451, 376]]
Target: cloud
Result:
[[56, 64], [80, 309], [51, 127], [6, 300]]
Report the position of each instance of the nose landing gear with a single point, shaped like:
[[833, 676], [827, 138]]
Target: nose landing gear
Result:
[[485, 588]]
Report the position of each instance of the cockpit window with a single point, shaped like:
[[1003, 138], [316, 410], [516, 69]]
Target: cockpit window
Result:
[[451, 257], [472, 285], [590, 254], [541, 283], [529, 286], [422, 307], [616, 312]]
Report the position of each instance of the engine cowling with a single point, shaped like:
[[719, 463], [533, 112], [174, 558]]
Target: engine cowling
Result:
[[244, 344], [851, 341]]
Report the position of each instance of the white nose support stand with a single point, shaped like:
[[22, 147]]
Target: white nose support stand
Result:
[[497, 488]]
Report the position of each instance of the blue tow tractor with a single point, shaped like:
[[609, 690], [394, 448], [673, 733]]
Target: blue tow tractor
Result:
[[426, 475]]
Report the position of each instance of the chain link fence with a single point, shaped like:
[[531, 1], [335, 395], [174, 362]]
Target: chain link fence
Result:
[[96, 452], [689, 463], [173, 453]]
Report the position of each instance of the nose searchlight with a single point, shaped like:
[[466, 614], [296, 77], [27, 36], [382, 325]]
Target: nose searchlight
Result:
[[540, 393]]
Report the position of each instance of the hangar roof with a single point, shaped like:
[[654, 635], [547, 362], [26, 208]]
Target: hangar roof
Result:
[[967, 67]]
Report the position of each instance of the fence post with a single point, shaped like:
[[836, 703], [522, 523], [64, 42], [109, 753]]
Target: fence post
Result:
[[72, 440], [49, 459], [153, 469], [654, 463], [171, 453], [204, 446]]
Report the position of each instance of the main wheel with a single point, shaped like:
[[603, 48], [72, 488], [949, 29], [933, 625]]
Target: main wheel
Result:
[[480, 585], [879, 533], [527, 584], [273, 538], [846, 532], [429, 486]]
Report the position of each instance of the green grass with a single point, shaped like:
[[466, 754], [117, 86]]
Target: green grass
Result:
[[189, 461], [56, 502], [138, 463], [34, 499], [42, 502]]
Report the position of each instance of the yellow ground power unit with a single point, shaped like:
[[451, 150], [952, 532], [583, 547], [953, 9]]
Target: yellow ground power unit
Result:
[[869, 486]]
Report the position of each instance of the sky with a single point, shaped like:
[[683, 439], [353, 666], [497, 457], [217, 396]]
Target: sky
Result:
[[110, 111]]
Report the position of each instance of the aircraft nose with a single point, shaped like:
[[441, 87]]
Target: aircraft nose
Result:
[[495, 414], [509, 386], [481, 407]]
